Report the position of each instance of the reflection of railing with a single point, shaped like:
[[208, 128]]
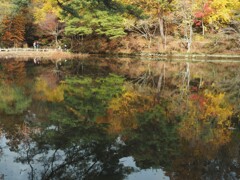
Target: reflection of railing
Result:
[[29, 49]]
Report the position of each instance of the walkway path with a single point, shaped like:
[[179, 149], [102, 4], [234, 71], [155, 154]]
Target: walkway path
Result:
[[29, 49]]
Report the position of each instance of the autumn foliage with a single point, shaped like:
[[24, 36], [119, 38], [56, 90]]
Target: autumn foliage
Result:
[[207, 119], [158, 25], [13, 31], [202, 13]]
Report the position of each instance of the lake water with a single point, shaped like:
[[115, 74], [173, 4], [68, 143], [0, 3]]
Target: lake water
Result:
[[119, 118]]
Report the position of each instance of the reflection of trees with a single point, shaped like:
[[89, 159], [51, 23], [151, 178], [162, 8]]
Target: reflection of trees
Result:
[[75, 142], [72, 145], [14, 102], [13, 99], [84, 151], [14, 72], [14, 130], [232, 88], [44, 92], [154, 142], [198, 161], [207, 120], [88, 98], [122, 110]]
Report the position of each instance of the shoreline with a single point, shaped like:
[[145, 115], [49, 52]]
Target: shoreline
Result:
[[40, 55], [56, 55]]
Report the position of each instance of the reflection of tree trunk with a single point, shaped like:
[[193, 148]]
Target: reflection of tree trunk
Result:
[[188, 75], [29, 161], [161, 80], [160, 84], [186, 80]]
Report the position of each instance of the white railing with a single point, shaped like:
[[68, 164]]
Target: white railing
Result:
[[28, 49]]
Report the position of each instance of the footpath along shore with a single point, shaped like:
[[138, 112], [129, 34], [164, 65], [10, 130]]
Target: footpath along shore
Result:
[[24, 53]]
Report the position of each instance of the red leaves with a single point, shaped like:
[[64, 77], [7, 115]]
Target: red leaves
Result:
[[205, 11], [199, 14], [199, 99]]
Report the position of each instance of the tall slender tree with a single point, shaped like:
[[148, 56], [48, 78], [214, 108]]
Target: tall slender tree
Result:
[[158, 9]]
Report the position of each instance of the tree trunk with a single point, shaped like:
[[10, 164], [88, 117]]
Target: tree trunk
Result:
[[203, 29], [161, 28], [56, 40], [189, 38]]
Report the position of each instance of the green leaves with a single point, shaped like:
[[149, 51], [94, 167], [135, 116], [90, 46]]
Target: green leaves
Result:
[[109, 24], [155, 138], [96, 22], [13, 100], [75, 26], [86, 98]]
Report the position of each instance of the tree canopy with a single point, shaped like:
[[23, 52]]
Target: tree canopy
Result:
[[59, 21]]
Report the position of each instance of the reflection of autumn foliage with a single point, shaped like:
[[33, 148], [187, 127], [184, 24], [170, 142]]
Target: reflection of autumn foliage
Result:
[[207, 120], [199, 99], [154, 142], [14, 72], [123, 110], [200, 161], [44, 92], [13, 30], [13, 99], [15, 130]]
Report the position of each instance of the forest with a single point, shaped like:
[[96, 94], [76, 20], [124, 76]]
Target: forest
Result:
[[123, 26]]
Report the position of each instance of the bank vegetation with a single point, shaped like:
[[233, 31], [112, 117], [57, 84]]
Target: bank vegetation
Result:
[[123, 26]]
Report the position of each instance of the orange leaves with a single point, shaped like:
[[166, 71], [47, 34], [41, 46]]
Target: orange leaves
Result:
[[14, 72], [206, 10], [122, 110], [13, 30], [207, 119], [211, 107]]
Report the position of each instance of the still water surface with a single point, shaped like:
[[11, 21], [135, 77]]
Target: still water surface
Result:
[[108, 118]]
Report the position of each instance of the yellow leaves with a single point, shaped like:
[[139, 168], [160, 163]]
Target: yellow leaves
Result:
[[44, 7], [43, 91], [223, 10], [131, 102], [151, 7], [217, 108], [5, 9], [7, 94], [122, 110], [207, 120]]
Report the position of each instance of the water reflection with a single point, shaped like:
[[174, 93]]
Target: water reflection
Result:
[[119, 119]]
